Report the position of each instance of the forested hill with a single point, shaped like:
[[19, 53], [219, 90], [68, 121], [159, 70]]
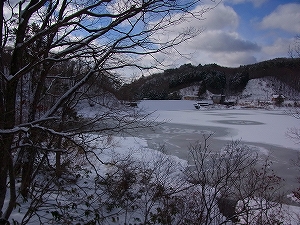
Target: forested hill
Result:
[[211, 77]]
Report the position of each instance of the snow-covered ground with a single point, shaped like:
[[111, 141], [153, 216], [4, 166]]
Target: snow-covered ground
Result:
[[256, 126], [269, 127], [249, 125], [259, 89], [263, 89], [263, 130]]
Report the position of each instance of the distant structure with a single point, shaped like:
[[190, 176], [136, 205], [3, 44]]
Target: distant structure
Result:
[[190, 97], [278, 99], [218, 99], [131, 104], [200, 104]]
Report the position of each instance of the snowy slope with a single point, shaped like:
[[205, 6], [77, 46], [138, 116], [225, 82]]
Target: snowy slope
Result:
[[256, 89], [263, 89], [260, 88]]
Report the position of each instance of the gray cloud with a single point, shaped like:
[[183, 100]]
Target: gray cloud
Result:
[[221, 43], [256, 3], [218, 41], [219, 32]]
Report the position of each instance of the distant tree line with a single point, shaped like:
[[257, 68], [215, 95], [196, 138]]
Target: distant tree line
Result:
[[164, 85], [212, 77]]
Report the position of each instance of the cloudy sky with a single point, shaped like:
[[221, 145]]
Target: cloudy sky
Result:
[[240, 32], [234, 33]]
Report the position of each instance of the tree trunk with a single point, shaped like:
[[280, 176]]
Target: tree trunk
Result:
[[27, 170], [8, 122], [4, 139], [12, 188], [58, 168], [3, 176]]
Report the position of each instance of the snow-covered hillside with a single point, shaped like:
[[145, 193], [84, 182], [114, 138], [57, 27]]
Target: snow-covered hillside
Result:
[[191, 90], [259, 89], [263, 89]]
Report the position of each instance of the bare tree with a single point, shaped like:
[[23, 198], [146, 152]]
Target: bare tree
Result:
[[294, 134], [217, 188], [231, 176], [52, 52]]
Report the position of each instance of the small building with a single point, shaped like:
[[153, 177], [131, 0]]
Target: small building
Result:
[[131, 104], [278, 99], [275, 97], [190, 97], [218, 99]]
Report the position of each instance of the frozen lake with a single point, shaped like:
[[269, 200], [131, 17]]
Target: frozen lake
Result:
[[264, 131]]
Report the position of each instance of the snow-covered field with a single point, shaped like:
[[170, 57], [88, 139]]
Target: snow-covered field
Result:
[[269, 125], [263, 130], [255, 127], [252, 126], [249, 125]]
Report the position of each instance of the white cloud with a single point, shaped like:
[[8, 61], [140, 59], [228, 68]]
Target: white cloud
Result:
[[120, 6], [285, 17], [218, 43], [234, 59], [218, 36], [221, 17], [207, 18], [216, 24], [279, 48]]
